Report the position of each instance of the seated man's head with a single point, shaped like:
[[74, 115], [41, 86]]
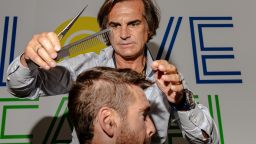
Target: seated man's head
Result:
[[108, 105]]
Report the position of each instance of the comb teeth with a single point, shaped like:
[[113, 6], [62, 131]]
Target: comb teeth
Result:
[[101, 37]]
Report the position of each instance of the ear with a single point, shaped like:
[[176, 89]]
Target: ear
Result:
[[107, 120]]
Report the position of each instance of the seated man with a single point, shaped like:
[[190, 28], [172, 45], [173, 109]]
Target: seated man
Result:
[[108, 105]]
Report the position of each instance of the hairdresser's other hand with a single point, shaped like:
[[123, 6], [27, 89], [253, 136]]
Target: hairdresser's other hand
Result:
[[42, 50], [168, 80]]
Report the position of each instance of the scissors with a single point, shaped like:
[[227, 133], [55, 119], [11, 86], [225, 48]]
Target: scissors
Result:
[[31, 64], [70, 24]]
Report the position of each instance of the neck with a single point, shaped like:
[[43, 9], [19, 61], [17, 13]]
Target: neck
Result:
[[136, 64]]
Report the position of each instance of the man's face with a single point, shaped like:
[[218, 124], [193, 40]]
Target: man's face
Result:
[[137, 127], [129, 27]]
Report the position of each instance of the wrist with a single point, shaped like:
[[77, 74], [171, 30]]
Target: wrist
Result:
[[186, 103]]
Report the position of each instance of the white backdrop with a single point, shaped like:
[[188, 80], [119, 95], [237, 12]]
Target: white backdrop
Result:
[[211, 43]]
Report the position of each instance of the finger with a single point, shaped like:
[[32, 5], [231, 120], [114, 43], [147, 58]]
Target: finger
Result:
[[45, 56], [174, 97], [55, 40], [174, 93], [158, 63], [173, 78], [167, 68], [159, 75], [31, 54], [155, 65], [171, 97], [159, 81], [164, 66], [167, 78], [168, 85], [47, 41], [177, 88]]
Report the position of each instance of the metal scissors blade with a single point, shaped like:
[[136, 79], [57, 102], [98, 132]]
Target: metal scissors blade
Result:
[[70, 24], [31, 64]]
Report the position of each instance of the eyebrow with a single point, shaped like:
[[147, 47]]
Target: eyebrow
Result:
[[134, 21], [130, 22]]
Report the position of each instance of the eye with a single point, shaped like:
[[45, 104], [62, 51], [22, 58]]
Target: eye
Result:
[[145, 115], [134, 24], [113, 25]]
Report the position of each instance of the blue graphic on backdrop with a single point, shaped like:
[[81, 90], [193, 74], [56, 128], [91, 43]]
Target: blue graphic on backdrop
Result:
[[173, 38], [197, 24], [201, 52], [208, 51], [8, 26]]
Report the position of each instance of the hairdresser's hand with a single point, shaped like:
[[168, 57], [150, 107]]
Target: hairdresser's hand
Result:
[[168, 80], [42, 50]]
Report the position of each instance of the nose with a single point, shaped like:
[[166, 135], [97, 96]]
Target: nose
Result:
[[124, 34], [151, 130]]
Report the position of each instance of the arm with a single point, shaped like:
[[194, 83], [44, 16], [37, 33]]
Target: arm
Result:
[[20, 80], [24, 82], [197, 125], [194, 120]]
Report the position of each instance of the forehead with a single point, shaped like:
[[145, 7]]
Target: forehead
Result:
[[140, 99], [126, 8]]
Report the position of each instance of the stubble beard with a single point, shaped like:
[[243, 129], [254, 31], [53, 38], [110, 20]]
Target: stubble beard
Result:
[[127, 136]]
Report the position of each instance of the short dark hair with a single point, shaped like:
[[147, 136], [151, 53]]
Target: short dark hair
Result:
[[151, 14], [98, 87]]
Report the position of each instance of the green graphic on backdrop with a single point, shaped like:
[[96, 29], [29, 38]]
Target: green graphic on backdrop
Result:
[[60, 125], [8, 105], [59, 128], [211, 109], [7, 108]]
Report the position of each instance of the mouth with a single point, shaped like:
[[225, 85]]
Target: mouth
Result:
[[126, 44]]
